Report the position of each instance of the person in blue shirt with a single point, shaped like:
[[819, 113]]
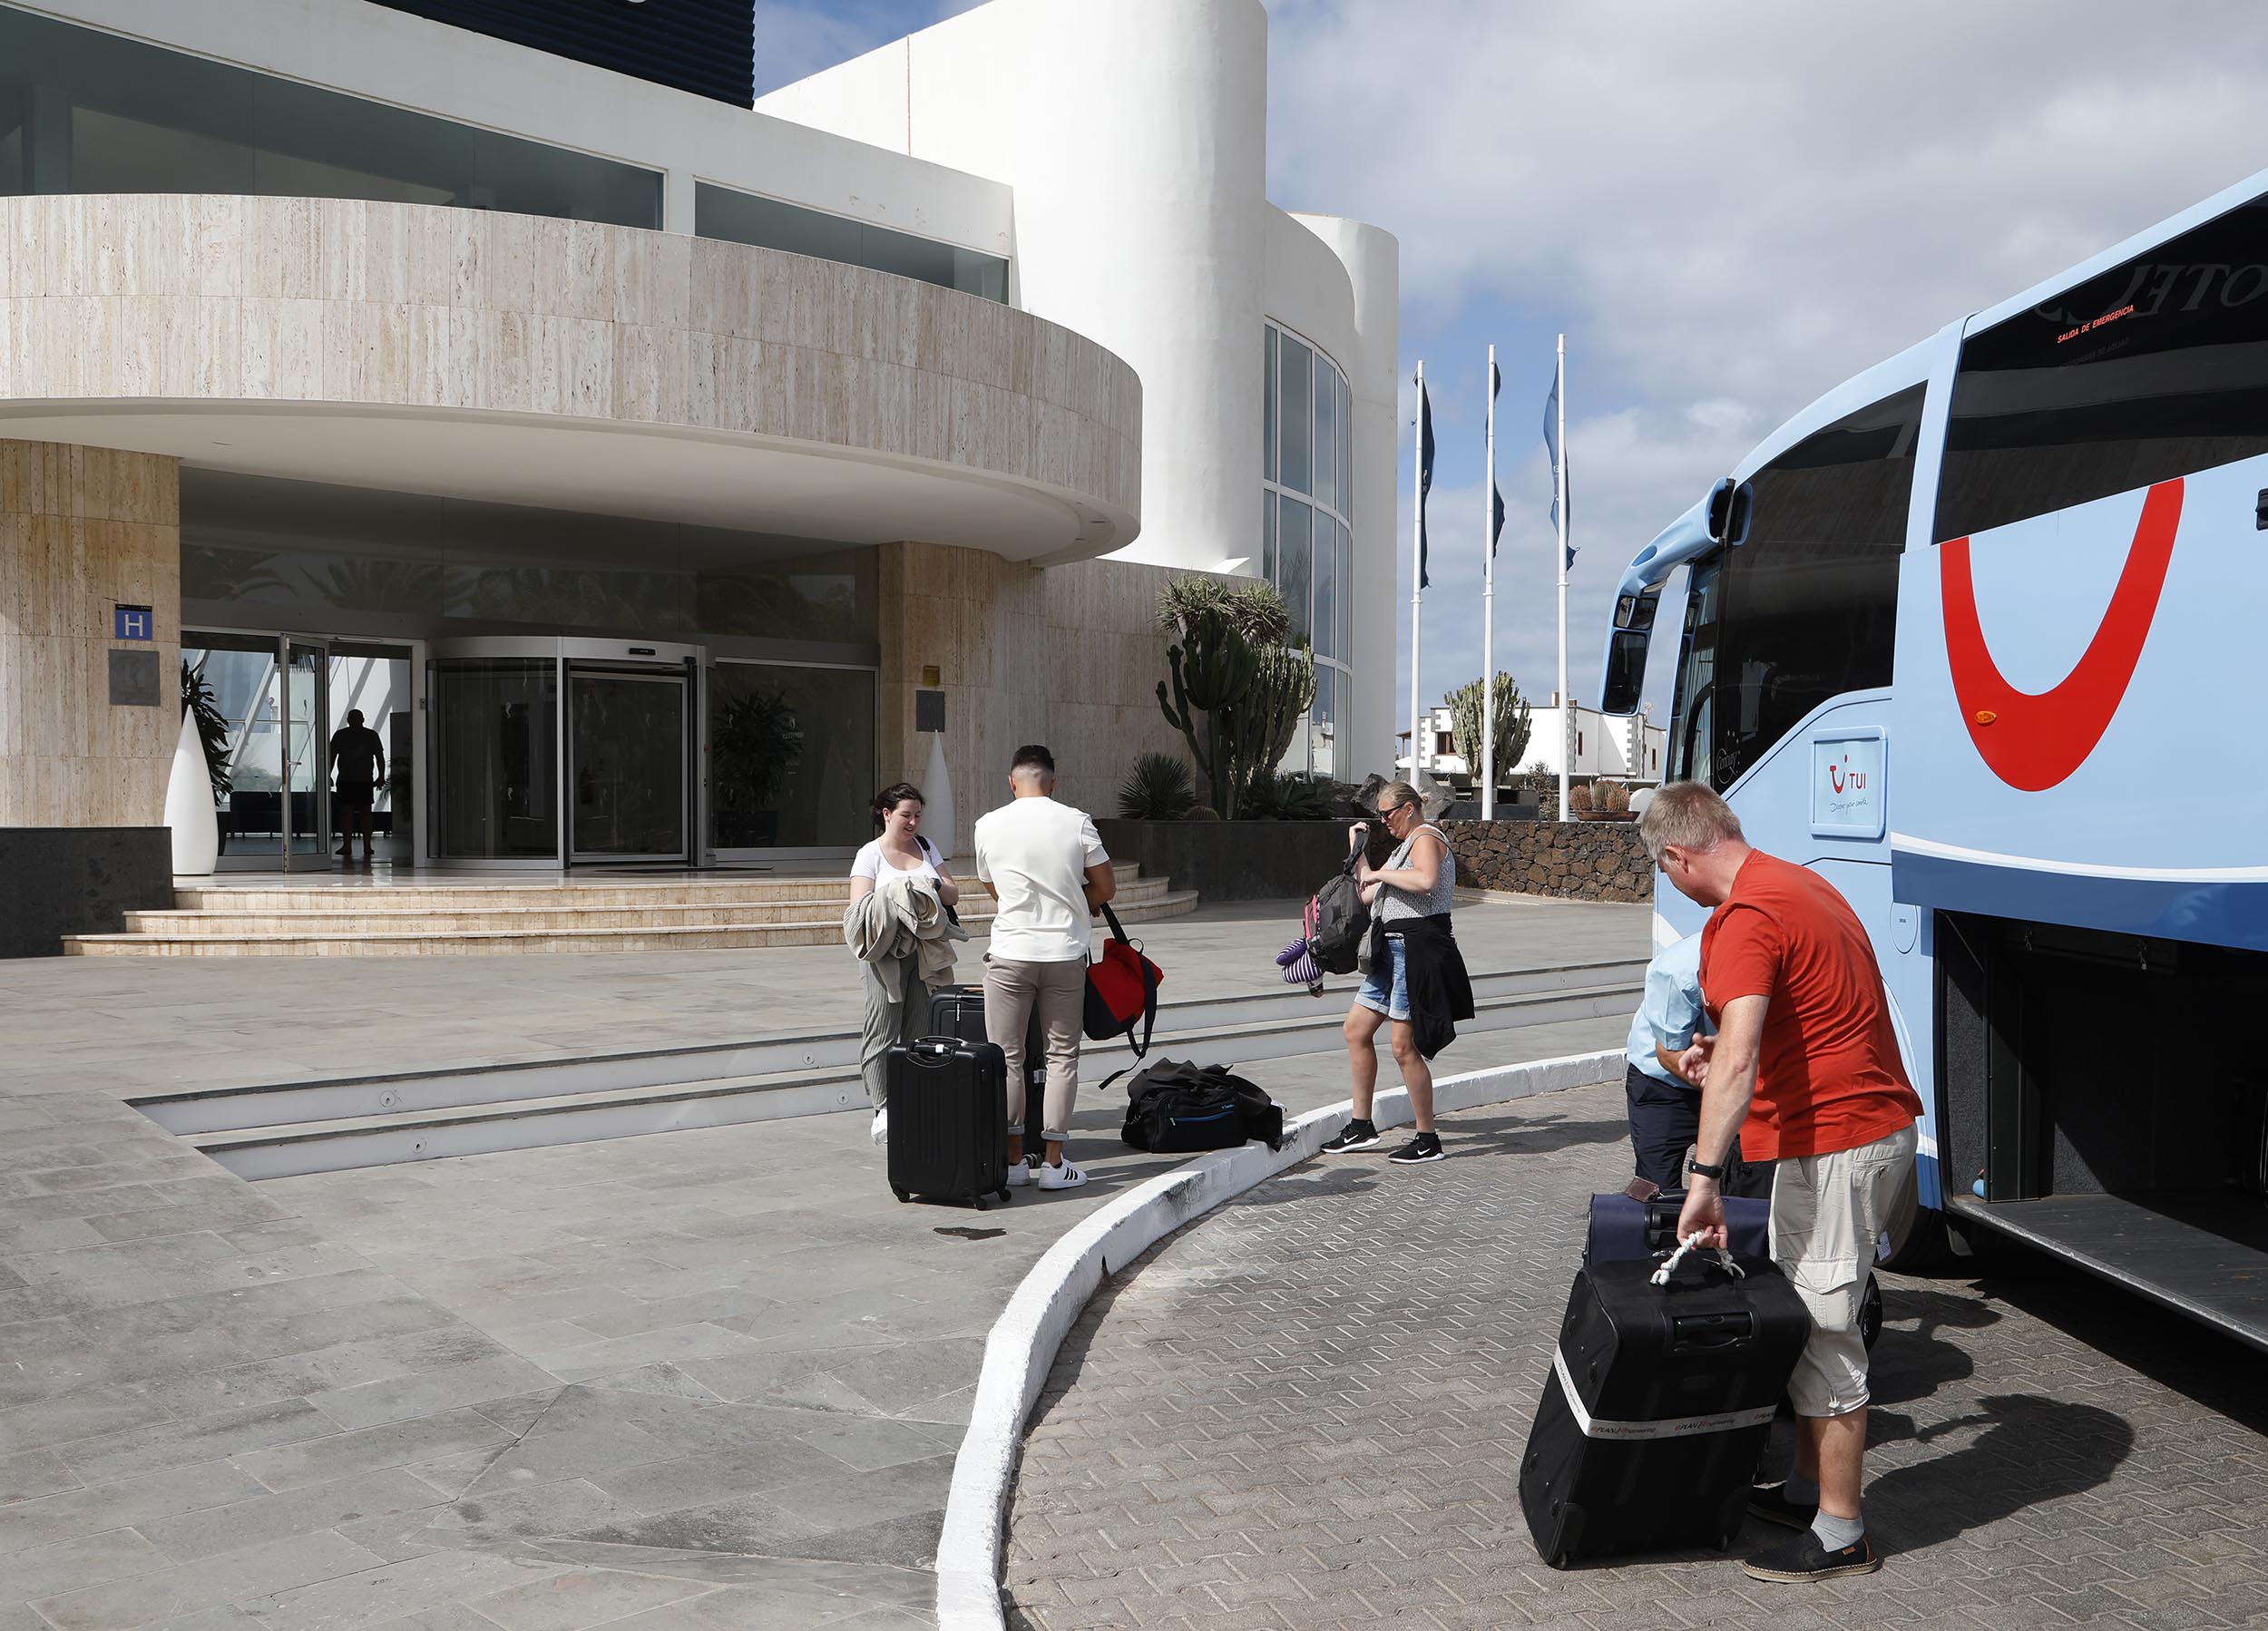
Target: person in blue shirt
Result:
[[1665, 1108]]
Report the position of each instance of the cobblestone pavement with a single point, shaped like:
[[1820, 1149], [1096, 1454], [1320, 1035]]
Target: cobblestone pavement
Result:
[[1306, 1410]]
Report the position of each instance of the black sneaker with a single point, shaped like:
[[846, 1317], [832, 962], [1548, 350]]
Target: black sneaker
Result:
[[1803, 1558], [1425, 1146], [1355, 1135], [1773, 1503]]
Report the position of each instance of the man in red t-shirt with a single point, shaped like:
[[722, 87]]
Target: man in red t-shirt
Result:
[[1804, 1054]]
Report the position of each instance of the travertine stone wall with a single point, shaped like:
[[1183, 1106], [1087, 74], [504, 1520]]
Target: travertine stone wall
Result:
[[1070, 655], [84, 528], [121, 297]]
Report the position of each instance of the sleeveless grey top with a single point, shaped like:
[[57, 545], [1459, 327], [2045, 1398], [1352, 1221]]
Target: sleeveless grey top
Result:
[[1396, 904]]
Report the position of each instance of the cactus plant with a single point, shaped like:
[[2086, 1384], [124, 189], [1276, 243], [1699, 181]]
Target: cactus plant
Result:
[[1200, 812], [1238, 703], [1512, 726], [1579, 798]]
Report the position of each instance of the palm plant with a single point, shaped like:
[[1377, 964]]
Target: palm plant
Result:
[[1159, 788], [198, 701]]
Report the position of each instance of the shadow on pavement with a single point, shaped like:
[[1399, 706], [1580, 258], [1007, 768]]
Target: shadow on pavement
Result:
[[1529, 1135], [1911, 1364], [2032, 1450]]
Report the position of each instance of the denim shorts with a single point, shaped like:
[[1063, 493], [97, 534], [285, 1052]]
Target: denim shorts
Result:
[[1388, 994]]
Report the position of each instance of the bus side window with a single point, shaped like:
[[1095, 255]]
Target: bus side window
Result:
[[1807, 609], [2153, 369]]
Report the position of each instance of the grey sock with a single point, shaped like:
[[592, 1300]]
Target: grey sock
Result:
[[1837, 1533], [1804, 1491]]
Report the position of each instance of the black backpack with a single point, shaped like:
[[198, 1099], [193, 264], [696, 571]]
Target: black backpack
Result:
[[1337, 920], [1176, 1108]]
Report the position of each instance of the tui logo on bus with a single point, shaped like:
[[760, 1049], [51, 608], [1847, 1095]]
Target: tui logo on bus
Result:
[[2034, 740], [1841, 776]]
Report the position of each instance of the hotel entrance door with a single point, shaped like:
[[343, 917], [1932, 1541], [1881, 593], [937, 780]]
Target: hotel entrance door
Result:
[[627, 762], [564, 752]]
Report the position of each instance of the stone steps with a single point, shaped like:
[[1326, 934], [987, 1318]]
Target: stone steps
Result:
[[565, 915], [282, 1129], [359, 940], [439, 915]]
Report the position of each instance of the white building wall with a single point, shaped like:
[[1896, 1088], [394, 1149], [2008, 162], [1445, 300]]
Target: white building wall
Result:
[[1134, 135]]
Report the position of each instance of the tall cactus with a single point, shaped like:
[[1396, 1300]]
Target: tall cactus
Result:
[[1237, 697], [1212, 669], [1512, 726], [1273, 711]]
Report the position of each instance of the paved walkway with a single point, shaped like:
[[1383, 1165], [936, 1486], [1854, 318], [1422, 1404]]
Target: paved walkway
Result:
[[130, 1024], [709, 1380], [1308, 1411]]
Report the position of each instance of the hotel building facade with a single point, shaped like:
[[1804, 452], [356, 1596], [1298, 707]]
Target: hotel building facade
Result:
[[658, 473]]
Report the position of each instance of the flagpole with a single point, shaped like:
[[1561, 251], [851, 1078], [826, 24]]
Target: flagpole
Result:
[[1487, 612], [1417, 563], [1567, 703]]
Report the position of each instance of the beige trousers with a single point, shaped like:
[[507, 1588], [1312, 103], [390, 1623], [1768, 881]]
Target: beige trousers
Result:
[[1059, 990]]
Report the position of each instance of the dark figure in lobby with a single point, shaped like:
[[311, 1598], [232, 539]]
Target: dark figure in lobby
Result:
[[357, 766]]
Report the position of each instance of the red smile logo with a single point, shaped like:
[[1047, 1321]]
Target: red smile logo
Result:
[[2032, 741], [1835, 774]]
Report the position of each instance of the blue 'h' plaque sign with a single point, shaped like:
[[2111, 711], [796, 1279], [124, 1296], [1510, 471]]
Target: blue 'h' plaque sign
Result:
[[132, 623]]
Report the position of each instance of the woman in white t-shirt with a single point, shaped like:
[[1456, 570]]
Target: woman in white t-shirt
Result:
[[897, 811]]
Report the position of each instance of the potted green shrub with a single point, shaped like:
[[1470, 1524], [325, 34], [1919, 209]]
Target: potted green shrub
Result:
[[754, 742]]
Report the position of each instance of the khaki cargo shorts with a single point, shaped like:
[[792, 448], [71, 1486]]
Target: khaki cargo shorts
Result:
[[1826, 1212]]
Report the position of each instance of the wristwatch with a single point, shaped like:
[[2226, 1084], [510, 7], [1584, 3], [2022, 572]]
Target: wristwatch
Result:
[[1702, 1169]]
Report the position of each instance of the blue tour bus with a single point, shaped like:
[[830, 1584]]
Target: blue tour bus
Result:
[[1966, 636]]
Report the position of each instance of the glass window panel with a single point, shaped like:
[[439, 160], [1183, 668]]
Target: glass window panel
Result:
[[1346, 451], [495, 751], [1326, 586], [769, 223], [1294, 367], [1326, 435], [791, 756], [1294, 578], [1267, 535], [1267, 412], [1810, 601], [1323, 732], [2148, 370], [106, 114], [1345, 595]]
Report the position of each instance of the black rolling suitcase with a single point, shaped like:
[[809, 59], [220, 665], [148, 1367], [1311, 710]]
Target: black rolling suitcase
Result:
[[1652, 1419], [958, 1011], [948, 1119]]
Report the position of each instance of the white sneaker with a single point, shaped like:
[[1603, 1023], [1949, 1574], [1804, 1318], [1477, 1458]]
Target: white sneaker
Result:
[[1064, 1175], [1018, 1174], [880, 1131]]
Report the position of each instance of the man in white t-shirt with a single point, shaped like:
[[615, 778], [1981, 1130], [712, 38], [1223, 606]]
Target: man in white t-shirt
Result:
[[1044, 864]]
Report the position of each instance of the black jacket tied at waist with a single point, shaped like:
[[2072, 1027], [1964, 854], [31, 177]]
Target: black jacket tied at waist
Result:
[[1441, 992]]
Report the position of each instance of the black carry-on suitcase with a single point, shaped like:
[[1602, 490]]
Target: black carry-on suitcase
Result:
[[1655, 1412], [948, 1119], [958, 1011]]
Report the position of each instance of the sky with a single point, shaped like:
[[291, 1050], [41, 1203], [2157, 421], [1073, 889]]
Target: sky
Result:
[[1727, 209]]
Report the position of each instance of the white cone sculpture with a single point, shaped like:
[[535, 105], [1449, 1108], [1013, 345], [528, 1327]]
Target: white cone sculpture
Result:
[[189, 806], [937, 791]]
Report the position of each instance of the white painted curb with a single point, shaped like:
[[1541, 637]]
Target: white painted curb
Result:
[[1023, 1342]]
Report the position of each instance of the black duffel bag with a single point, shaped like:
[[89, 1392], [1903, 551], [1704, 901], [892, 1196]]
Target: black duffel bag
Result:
[[1177, 1108]]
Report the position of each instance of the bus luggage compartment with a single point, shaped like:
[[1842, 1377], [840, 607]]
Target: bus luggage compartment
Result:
[[2108, 1092]]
